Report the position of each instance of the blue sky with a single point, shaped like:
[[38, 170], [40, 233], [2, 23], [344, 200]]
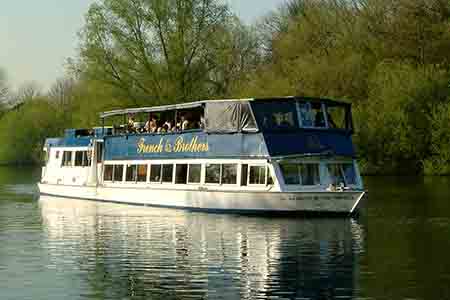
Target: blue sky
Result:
[[36, 36]]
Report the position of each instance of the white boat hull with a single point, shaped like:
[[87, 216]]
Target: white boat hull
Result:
[[233, 201]]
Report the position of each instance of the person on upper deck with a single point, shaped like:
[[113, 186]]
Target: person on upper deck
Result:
[[131, 123], [184, 123], [150, 125]]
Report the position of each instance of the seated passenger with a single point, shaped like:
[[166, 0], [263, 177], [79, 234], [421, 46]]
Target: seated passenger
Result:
[[168, 126], [151, 126], [184, 123], [130, 124]]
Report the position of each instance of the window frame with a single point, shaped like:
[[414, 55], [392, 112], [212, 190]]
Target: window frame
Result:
[[146, 174], [150, 173], [220, 174], [299, 163], [173, 174], [71, 159], [323, 109], [123, 173], [248, 175], [200, 175], [112, 173]]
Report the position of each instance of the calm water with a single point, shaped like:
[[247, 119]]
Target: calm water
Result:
[[68, 249]]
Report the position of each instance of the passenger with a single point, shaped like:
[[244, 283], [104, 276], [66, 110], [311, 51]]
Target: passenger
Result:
[[168, 126], [148, 123], [165, 128], [184, 123], [130, 125], [152, 126]]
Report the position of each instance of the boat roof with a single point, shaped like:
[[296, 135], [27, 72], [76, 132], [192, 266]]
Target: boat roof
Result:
[[190, 105]]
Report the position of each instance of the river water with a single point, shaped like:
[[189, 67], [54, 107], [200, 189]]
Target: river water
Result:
[[68, 249]]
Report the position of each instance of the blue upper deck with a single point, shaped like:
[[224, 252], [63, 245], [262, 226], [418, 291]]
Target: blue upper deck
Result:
[[227, 129]]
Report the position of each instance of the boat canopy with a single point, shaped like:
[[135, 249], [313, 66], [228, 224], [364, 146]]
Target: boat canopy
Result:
[[251, 115]]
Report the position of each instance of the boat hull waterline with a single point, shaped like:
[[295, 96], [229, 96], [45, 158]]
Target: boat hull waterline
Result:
[[343, 203]]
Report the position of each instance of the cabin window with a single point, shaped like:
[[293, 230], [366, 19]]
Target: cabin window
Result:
[[257, 175], [142, 173], [57, 154], [108, 173], [99, 152], [342, 173], [67, 159], [304, 174], [155, 173], [82, 159], [244, 174], [229, 174], [311, 114], [212, 173], [279, 115], [181, 174], [78, 158], [194, 173], [118, 173], [167, 173], [336, 116], [131, 173]]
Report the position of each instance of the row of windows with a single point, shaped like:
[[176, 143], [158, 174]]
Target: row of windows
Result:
[[308, 173], [81, 158], [187, 173]]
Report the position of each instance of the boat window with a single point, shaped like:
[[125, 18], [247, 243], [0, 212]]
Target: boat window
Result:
[[277, 115], [229, 174], [311, 115], [304, 174], [336, 116], [212, 173], [257, 175], [67, 159], [194, 173], [99, 152], [82, 159], [118, 173], [57, 155], [142, 173], [181, 174], [342, 173], [167, 173], [155, 173], [108, 173], [78, 158], [244, 173], [131, 173]]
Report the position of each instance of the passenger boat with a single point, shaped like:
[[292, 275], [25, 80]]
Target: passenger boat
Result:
[[290, 154]]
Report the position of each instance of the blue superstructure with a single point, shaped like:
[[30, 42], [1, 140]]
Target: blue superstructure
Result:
[[247, 129]]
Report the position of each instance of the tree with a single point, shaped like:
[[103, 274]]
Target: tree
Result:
[[3, 90], [161, 50]]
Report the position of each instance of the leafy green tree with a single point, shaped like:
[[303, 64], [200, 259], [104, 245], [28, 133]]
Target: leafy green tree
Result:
[[158, 50]]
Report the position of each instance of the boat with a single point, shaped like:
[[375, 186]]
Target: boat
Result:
[[270, 155]]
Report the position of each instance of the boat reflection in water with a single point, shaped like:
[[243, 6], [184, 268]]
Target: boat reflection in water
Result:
[[123, 251]]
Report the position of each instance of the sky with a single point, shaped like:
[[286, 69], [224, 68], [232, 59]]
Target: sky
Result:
[[37, 36]]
